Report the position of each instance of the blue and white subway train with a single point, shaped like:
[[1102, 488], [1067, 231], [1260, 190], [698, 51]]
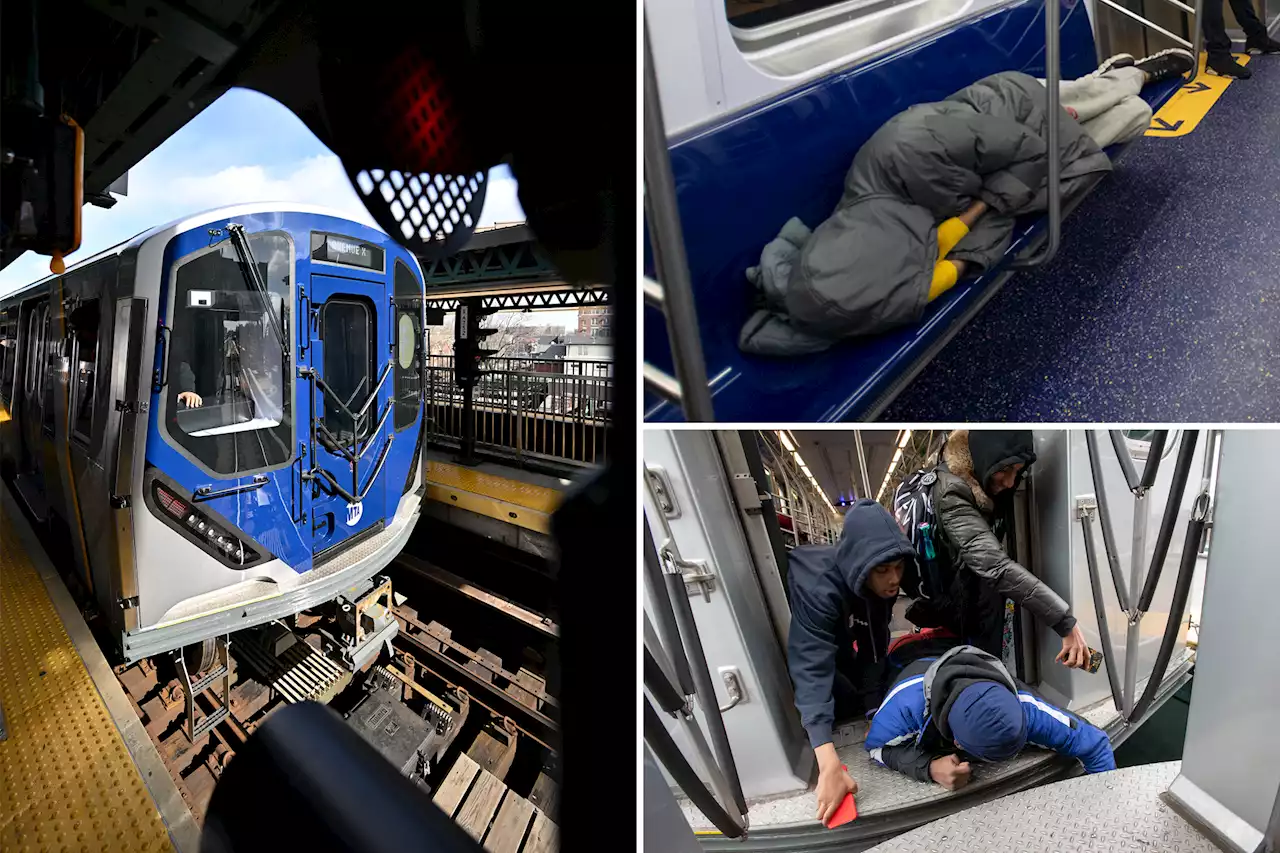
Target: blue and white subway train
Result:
[[222, 414]]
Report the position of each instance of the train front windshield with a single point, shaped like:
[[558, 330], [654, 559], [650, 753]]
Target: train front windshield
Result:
[[229, 402]]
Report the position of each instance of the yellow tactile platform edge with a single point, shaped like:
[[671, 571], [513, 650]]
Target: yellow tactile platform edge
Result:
[[527, 495], [67, 781]]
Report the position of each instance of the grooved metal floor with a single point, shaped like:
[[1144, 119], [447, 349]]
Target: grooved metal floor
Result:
[[67, 781], [1102, 813]]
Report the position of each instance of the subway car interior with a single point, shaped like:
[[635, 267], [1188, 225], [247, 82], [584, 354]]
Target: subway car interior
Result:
[[727, 761], [1126, 299]]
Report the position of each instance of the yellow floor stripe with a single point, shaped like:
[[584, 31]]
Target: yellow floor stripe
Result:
[[527, 495], [66, 779], [1182, 113]]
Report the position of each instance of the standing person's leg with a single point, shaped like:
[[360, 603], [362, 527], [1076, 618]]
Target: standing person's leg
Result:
[[1247, 15], [1216, 40], [1218, 44]]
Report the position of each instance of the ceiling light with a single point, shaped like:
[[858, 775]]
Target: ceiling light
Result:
[[782, 436]]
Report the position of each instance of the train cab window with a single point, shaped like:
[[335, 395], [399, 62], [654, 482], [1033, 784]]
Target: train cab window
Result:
[[347, 332], [228, 402], [408, 369], [82, 346]]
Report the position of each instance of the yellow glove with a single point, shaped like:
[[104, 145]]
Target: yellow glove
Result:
[[945, 276], [950, 233]]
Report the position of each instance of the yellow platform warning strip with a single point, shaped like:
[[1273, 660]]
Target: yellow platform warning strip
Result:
[[1182, 113], [67, 781], [523, 504]]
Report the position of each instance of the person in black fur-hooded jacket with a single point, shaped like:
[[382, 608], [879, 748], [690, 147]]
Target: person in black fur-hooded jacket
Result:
[[977, 476]]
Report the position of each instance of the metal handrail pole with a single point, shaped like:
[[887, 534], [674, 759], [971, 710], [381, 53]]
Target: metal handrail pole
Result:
[[1104, 520], [670, 262], [1052, 81]]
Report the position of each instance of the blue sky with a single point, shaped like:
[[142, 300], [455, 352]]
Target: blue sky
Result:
[[244, 147]]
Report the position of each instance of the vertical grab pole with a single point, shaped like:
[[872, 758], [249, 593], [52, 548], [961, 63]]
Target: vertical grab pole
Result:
[[862, 465], [1136, 564], [670, 262], [1052, 79]]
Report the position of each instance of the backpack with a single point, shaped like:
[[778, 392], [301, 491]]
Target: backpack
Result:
[[913, 509]]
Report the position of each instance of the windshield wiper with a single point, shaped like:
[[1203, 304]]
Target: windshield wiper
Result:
[[253, 277]]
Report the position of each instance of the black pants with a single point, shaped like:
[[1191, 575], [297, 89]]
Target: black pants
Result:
[[1216, 41]]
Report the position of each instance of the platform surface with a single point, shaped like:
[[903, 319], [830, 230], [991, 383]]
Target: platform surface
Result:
[[68, 781], [1103, 813]]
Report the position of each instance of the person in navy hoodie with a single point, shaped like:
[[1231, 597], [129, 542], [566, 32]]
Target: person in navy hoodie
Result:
[[944, 713], [838, 645]]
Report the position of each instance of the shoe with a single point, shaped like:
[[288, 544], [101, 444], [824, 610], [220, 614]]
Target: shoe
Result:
[[1225, 65], [1120, 60], [1167, 64], [1257, 47]]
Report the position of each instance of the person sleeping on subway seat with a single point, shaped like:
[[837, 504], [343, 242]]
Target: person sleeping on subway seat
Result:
[[932, 197]]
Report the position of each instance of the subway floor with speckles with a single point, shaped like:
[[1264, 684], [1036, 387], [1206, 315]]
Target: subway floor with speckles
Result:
[[1163, 303]]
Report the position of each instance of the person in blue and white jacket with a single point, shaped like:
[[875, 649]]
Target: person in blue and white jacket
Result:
[[943, 713]]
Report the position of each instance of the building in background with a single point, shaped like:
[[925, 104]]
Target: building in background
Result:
[[596, 322]]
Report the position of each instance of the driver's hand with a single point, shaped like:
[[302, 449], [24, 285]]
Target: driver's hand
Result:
[[833, 784], [950, 772], [191, 398], [1075, 651]]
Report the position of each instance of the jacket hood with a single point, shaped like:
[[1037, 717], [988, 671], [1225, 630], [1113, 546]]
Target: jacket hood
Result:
[[975, 456], [948, 676], [871, 537]]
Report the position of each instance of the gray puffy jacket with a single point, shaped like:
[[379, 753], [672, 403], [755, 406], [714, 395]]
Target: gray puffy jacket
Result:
[[868, 267], [964, 512]]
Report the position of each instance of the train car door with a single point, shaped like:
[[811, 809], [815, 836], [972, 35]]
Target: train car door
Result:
[[351, 363]]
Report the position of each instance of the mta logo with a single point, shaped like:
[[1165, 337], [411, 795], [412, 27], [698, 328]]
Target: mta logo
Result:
[[354, 511]]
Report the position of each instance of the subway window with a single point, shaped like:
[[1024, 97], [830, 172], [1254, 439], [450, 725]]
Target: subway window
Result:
[[8, 351], [408, 337], [50, 365], [82, 335], [747, 14]]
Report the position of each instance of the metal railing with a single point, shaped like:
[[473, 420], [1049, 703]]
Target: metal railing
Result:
[[558, 409]]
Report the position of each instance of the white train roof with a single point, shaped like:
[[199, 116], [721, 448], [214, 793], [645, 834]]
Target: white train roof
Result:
[[195, 220]]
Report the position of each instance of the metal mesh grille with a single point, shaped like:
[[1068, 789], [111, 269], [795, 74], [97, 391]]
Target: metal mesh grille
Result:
[[431, 215]]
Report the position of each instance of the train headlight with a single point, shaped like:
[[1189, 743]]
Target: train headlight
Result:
[[200, 527]]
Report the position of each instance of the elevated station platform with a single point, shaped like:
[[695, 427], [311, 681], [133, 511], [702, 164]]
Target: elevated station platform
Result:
[[499, 501], [77, 769]]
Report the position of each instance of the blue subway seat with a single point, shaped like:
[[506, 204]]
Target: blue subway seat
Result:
[[739, 181]]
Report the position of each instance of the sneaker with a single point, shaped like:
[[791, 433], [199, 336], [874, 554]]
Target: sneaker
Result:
[[1120, 60], [1257, 47], [1225, 65], [1167, 64]]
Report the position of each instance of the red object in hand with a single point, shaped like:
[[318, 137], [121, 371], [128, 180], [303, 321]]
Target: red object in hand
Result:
[[845, 812]]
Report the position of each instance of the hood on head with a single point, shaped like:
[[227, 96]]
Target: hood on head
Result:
[[945, 682], [975, 455], [987, 722], [871, 537]]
